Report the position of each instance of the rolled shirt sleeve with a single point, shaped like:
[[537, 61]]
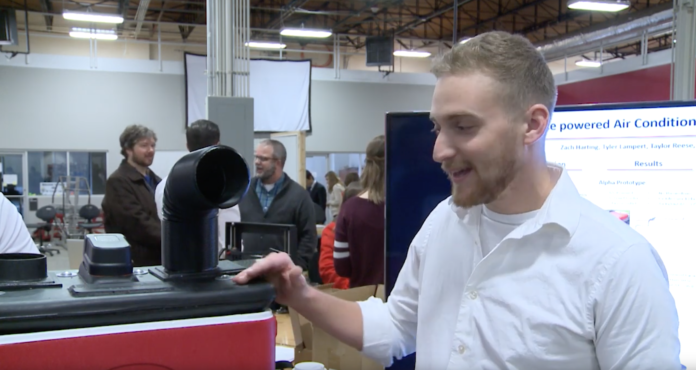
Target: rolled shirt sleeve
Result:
[[389, 329]]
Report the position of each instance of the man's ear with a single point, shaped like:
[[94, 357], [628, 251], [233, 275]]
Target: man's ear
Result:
[[537, 121]]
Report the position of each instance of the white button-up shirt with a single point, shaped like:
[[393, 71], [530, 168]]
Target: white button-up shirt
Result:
[[14, 236], [572, 288]]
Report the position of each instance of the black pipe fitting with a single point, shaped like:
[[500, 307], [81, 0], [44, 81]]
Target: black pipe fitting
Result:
[[197, 186]]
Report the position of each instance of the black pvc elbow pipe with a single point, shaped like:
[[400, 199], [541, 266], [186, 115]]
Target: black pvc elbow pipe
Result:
[[197, 186]]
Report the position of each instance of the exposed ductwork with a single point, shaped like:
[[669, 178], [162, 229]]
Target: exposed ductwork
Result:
[[657, 23], [140, 16]]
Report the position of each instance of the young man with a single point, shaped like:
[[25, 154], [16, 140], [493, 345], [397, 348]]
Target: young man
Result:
[[199, 135], [129, 200], [515, 270], [275, 198]]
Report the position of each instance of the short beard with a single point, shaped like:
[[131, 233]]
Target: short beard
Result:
[[265, 175], [140, 161], [500, 172]]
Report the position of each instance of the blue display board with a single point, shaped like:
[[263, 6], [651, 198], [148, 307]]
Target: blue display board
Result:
[[415, 184]]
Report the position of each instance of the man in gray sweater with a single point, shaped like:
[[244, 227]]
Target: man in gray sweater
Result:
[[274, 198]]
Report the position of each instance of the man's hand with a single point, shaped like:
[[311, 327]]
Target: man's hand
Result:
[[339, 318], [280, 271]]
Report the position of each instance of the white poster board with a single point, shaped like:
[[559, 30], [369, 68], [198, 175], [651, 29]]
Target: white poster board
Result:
[[638, 164], [280, 88]]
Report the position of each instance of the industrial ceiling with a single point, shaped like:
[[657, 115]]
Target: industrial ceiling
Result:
[[414, 23]]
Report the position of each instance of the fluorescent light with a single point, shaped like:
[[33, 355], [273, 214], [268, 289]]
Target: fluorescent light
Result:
[[599, 5], [588, 63], [411, 54], [86, 33], [305, 32], [93, 17], [265, 45]]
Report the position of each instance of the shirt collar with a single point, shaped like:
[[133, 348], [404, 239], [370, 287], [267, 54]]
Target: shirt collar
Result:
[[276, 185], [561, 207]]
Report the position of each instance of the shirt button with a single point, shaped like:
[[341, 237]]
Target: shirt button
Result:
[[461, 349], [473, 294]]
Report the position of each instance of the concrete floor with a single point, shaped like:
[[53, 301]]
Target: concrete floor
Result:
[[59, 261]]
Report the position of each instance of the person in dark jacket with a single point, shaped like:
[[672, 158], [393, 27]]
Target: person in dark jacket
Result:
[[317, 191], [129, 200], [273, 197]]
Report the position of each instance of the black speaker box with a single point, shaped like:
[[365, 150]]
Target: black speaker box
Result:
[[380, 51]]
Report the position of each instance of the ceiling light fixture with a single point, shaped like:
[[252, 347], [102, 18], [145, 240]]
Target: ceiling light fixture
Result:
[[93, 17], [588, 63], [265, 45], [411, 54], [86, 33], [305, 32], [599, 5]]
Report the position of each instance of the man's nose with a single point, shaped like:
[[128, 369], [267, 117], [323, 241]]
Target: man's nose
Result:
[[443, 149]]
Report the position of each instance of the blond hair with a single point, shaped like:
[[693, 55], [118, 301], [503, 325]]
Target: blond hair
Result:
[[511, 60], [372, 179], [332, 180]]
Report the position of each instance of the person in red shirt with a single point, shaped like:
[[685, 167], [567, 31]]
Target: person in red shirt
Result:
[[327, 271]]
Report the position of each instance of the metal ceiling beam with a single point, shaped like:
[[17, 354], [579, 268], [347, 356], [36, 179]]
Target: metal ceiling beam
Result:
[[47, 7], [430, 16], [301, 11], [123, 11], [140, 16], [654, 24], [288, 11], [193, 16], [499, 16], [355, 14], [603, 25], [370, 19]]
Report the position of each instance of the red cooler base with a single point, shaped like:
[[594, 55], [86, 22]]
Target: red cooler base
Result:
[[227, 342]]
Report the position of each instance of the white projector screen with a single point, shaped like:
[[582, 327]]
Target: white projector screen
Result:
[[638, 162], [280, 88]]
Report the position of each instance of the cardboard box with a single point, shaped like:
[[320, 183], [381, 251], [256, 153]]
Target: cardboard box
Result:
[[314, 344]]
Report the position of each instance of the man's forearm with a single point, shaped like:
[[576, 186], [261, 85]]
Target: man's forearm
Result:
[[340, 318]]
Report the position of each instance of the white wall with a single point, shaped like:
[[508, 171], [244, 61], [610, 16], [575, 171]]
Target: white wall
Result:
[[347, 115], [56, 103], [87, 110]]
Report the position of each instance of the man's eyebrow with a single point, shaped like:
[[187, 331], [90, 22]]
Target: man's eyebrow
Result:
[[458, 115]]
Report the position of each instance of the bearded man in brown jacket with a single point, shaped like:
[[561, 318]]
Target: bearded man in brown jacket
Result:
[[129, 201]]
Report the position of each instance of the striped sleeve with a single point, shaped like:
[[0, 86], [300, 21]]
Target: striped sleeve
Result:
[[341, 247]]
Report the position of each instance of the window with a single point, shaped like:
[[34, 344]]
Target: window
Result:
[[91, 167], [45, 167], [345, 163], [48, 167]]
